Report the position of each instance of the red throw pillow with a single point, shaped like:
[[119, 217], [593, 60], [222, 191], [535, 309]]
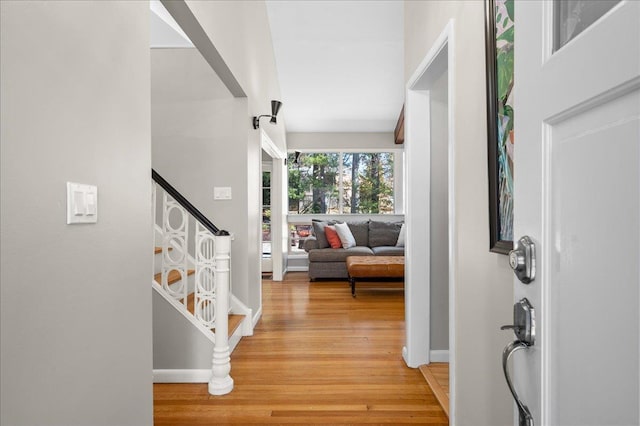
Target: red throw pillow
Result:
[[332, 237]]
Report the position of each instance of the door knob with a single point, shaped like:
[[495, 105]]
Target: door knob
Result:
[[522, 260]]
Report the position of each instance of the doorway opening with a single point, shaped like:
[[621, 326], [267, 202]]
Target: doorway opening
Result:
[[267, 261], [273, 240], [430, 241]]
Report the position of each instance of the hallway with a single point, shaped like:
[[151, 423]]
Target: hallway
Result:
[[318, 356]]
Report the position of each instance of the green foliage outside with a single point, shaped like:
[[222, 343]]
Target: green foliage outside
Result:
[[366, 180]]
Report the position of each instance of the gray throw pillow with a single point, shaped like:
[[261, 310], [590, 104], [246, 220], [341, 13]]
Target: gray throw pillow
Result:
[[360, 231], [318, 231], [383, 233]]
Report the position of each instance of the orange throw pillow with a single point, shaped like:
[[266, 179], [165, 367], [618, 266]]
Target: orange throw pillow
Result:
[[332, 237]]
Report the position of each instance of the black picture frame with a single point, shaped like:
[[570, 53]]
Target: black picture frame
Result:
[[496, 243]]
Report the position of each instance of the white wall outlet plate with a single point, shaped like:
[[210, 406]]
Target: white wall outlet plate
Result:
[[222, 193], [82, 203]]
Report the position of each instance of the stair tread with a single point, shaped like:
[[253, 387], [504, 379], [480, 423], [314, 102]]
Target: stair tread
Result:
[[234, 322], [174, 276], [158, 250]]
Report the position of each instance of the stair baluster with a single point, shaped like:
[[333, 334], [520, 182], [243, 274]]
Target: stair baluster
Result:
[[175, 230], [205, 296]]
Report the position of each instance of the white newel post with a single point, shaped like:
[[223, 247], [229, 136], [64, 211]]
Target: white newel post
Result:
[[221, 382]]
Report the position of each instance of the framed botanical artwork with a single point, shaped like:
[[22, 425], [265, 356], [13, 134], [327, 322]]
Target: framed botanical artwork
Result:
[[499, 31]]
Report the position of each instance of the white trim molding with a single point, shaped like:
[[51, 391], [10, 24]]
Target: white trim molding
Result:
[[182, 376], [439, 356], [439, 59], [297, 269], [183, 311], [256, 317]]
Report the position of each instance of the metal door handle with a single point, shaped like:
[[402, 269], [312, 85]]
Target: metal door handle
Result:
[[526, 419], [524, 322]]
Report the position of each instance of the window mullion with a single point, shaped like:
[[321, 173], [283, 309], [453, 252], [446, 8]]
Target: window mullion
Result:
[[340, 187]]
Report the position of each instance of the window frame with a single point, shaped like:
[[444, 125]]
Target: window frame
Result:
[[398, 178]]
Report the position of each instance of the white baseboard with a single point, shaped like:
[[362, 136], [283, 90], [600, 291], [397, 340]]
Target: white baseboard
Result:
[[256, 317], [182, 376], [439, 356], [297, 269]]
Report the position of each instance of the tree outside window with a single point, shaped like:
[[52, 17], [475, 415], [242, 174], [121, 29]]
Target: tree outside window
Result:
[[341, 183]]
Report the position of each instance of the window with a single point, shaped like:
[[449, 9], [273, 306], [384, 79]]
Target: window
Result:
[[341, 183], [266, 213]]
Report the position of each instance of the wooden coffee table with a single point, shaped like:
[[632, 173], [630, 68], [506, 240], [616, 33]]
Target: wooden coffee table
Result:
[[374, 267]]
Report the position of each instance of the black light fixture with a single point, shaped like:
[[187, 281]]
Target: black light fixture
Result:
[[296, 158], [275, 107]]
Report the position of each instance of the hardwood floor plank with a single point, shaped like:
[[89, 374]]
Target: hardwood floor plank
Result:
[[317, 356], [437, 376]]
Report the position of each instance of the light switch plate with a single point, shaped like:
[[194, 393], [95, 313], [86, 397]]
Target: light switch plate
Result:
[[222, 193], [82, 203]]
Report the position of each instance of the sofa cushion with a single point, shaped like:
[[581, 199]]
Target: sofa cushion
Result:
[[388, 251], [383, 233], [338, 255], [401, 237], [345, 235], [360, 231], [310, 244], [318, 231]]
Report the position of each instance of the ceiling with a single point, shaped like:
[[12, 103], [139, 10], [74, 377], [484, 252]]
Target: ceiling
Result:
[[165, 31], [340, 64]]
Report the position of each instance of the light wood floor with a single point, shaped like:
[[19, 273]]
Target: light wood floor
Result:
[[318, 356], [437, 376]]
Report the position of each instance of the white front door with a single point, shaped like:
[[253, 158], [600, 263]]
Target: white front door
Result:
[[577, 191]]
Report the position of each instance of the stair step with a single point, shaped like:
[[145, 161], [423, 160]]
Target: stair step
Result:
[[174, 276], [234, 322], [158, 250], [234, 319]]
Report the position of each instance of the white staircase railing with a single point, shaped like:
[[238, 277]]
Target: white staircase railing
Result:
[[211, 259], [174, 248]]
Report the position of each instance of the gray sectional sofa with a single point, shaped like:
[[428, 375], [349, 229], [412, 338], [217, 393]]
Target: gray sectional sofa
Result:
[[373, 238]]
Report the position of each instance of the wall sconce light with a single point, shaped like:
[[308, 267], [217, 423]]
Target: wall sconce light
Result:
[[275, 107], [296, 158]]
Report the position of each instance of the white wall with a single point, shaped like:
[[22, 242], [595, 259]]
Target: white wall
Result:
[[439, 226], [240, 32], [177, 344], [75, 300], [201, 140], [484, 290], [340, 141]]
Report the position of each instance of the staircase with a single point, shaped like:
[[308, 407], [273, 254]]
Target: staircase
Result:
[[234, 320], [192, 273]]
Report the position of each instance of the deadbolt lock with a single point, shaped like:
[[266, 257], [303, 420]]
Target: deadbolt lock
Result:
[[522, 260]]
